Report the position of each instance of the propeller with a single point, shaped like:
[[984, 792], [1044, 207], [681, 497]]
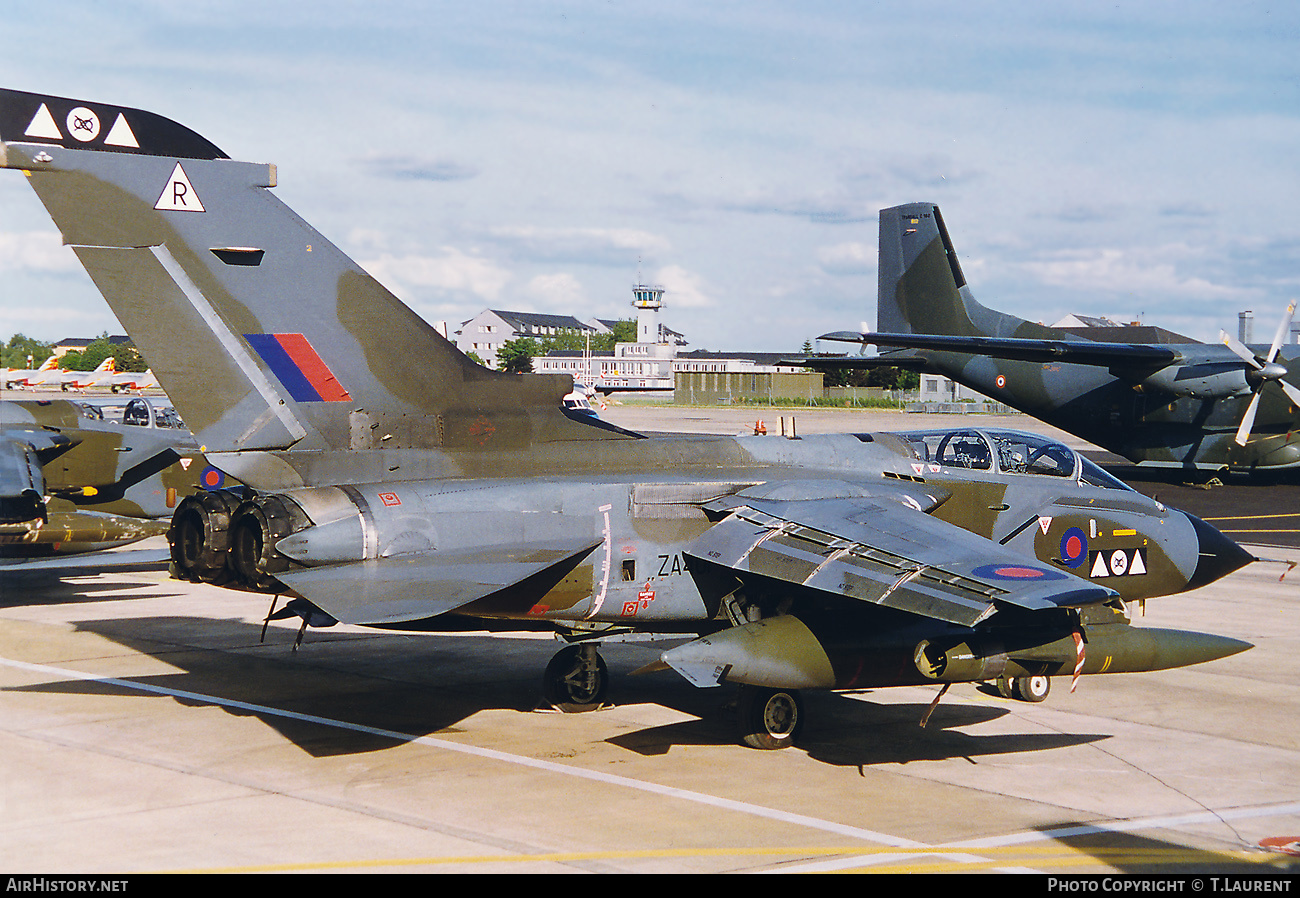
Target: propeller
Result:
[[1263, 372]]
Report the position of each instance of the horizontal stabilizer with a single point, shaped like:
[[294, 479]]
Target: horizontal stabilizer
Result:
[[410, 588], [842, 362], [89, 563], [1077, 352], [880, 553]]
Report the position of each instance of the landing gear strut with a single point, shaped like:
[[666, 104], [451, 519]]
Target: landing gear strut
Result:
[[576, 679], [769, 718]]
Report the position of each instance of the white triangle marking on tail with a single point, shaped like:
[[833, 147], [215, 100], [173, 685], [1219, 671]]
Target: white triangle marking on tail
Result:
[[43, 125], [179, 194], [121, 135]]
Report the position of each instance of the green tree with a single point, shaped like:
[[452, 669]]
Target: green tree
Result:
[[622, 332], [517, 356], [125, 356], [15, 352]]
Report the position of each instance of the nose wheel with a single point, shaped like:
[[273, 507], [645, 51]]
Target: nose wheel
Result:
[[576, 679]]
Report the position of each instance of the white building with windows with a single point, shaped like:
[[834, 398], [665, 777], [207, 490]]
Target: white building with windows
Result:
[[489, 330]]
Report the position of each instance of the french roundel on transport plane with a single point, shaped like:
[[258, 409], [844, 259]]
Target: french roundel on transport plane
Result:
[[300, 369]]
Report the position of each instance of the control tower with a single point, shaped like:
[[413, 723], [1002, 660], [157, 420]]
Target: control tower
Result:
[[648, 300]]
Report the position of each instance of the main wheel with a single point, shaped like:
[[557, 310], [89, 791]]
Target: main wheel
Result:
[[576, 679], [1031, 689], [769, 718]]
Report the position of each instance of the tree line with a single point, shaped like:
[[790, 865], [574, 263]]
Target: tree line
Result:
[[15, 354]]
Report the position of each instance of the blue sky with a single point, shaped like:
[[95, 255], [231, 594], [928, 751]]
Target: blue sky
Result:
[[1134, 161]]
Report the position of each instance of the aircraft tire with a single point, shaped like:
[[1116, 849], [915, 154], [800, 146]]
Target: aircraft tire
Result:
[[569, 685], [1031, 689], [770, 718]]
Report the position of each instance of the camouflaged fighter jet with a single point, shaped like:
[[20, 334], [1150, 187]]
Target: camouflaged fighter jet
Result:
[[394, 483], [1173, 403], [73, 483]]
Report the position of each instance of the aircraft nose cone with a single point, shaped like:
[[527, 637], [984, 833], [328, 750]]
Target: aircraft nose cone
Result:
[[1219, 556]]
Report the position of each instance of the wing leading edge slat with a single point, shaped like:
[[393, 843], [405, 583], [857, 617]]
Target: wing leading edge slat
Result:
[[882, 554]]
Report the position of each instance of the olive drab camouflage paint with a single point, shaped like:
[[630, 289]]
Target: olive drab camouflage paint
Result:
[[391, 482], [1176, 404]]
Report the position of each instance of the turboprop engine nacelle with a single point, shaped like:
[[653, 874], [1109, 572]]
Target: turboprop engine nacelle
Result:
[[1203, 380]]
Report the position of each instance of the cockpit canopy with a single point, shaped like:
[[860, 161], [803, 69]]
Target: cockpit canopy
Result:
[[1006, 452]]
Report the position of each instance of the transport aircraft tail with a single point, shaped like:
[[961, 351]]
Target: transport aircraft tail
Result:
[[922, 289], [263, 333]]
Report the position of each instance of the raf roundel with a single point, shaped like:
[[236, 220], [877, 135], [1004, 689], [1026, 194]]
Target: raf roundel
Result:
[[212, 478], [1074, 547], [1015, 572]]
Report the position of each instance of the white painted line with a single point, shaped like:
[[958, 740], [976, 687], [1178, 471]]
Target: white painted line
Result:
[[840, 829]]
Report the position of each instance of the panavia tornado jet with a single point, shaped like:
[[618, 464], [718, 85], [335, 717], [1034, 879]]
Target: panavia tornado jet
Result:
[[73, 483], [393, 483], [1169, 402]]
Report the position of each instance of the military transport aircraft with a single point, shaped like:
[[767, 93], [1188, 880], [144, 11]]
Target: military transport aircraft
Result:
[[72, 483], [394, 483], [1173, 404]]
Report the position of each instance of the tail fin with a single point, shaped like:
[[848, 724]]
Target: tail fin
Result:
[[263, 334], [922, 289], [50, 364]]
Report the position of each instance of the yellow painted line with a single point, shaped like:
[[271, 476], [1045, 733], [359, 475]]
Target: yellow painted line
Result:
[[923, 860]]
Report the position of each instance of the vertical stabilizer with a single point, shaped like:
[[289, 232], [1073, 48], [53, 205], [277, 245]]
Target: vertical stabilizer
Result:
[[263, 333], [920, 279]]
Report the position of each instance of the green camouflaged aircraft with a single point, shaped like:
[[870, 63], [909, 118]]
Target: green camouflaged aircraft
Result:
[[1172, 404], [394, 483], [72, 483]]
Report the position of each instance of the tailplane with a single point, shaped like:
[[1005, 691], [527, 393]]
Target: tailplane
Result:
[[263, 333]]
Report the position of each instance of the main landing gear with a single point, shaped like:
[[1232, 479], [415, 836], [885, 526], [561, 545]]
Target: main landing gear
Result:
[[769, 718], [1025, 689], [576, 679]]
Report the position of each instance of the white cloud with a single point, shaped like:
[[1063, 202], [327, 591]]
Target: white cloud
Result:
[[683, 289], [616, 246], [847, 258], [452, 270], [36, 251], [560, 293], [1135, 272]]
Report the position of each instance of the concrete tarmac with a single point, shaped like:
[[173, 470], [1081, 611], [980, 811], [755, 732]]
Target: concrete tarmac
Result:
[[144, 726]]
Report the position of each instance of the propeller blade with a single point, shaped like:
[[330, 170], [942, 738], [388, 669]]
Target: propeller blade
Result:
[[1281, 331], [1239, 348], [1291, 392], [1247, 422]]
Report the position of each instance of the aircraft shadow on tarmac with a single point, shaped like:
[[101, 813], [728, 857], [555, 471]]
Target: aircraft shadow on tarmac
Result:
[[1137, 854], [419, 685], [849, 732], [34, 588]]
